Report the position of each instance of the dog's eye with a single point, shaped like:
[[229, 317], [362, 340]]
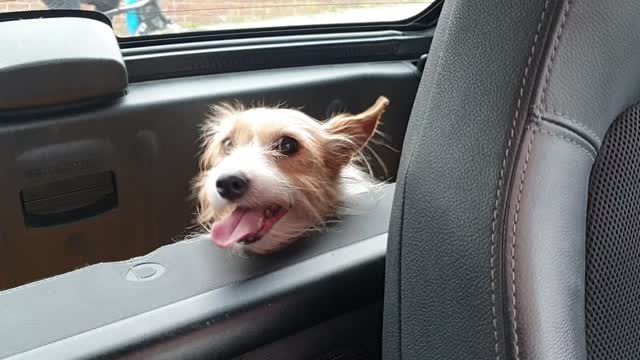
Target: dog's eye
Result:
[[287, 146], [227, 145]]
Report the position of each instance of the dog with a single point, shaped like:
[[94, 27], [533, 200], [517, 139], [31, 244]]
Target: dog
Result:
[[270, 175]]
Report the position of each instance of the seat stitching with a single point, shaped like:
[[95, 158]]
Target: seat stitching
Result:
[[513, 245], [569, 140], [501, 178], [556, 42], [545, 101], [577, 123], [566, 117]]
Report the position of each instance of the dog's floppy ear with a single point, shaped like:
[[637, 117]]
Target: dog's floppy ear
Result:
[[350, 133]]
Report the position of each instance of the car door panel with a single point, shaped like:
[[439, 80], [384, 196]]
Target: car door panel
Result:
[[148, 140]]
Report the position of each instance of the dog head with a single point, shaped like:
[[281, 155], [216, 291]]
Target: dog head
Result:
[[268, 175]]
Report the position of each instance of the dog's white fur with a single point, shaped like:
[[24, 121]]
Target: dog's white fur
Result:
[[312, 183]]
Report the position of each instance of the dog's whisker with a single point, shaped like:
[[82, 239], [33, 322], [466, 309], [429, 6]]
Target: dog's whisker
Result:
[[310, 208], [378, 132], [363, 158], [293, 187], [378, 159], [383, 144]]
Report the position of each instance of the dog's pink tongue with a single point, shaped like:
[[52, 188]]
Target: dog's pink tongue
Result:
[[237, 226]]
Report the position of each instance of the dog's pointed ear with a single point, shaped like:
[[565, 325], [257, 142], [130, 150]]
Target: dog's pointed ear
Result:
[[358, 129], [350, 133]]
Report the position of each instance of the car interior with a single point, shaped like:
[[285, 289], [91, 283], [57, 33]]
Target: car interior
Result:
[[508, 226]]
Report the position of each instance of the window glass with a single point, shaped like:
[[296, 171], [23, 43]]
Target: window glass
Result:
[[146, 17]]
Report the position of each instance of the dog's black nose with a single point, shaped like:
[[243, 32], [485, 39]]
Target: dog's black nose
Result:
[[233, 186]]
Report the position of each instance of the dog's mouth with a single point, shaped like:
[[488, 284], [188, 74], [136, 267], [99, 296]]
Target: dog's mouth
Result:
[[246, 226]]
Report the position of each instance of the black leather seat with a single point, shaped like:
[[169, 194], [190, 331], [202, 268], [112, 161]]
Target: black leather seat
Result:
[[516, 227]]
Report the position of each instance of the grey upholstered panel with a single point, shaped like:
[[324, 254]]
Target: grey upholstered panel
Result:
[[440, 280], [544, 255], [592, 69], [58, 61]]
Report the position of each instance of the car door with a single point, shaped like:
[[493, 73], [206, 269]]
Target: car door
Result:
[[103, 260]]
